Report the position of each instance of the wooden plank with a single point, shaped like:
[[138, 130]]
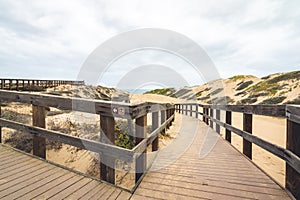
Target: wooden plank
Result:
[[39, 120], [211, 114], [117, 152], [124, 195], [69, 190], [266, 110], [247, 127], [84, 190], [27, 185], [115, 194], [0, 126], [228, 121], [24, 175], [107, 162], [140, 134], [218, 118], [92, 192], [55, 186], [154, 127], [293, 144]]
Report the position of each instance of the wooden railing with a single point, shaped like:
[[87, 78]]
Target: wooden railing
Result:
[[26, 84], [291, 112], [108, 111]]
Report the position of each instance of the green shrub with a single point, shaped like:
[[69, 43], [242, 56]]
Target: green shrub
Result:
[[284, 77], [163, 91], [217, 91], [15, 116], [247, 101], [123, 138], [295, 101], [273, 100], [238, 77], [244, 85]]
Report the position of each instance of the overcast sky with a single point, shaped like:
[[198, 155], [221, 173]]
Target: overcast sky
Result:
[[52, 39]]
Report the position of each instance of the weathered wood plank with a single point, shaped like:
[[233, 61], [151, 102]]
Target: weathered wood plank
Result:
[[140, 134], [107, 162], [154, 127], [293, 145], [247, 127], [39, 120], [228, 121]]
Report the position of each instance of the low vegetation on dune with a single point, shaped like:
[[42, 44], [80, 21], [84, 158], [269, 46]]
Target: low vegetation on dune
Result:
[[280, 88]]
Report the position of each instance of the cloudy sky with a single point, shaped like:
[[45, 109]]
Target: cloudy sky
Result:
[[52, 39]]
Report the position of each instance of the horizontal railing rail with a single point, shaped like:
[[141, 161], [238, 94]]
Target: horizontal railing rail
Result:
[[290, 154], [108, 111], [28, 84]]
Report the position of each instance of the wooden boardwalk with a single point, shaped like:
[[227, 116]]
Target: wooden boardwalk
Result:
[[25, 177], [223, 174]]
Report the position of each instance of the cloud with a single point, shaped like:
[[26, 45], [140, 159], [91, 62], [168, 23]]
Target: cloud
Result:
[[52, 39]]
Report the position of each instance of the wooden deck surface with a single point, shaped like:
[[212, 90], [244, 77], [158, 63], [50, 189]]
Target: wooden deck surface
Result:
[[223, 174], [25, 177]]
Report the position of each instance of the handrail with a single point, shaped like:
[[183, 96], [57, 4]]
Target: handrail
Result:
[[291, 155], [17, 84], [107, 110]]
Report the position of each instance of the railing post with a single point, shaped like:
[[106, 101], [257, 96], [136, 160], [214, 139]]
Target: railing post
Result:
[[10, 84], [247, 126], [23, 84], [140, 133], [163, 119], [186, 109], [197, 110], [218, 118], [0, 126], [204, 113], [17, 84], [211, 114], [2, 84], [155, 126], [228, 121], [39, 119], [292, 177], [167, 117], [207, 113], [191, 110], [107, 135]]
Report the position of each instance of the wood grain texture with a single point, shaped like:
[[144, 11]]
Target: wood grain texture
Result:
[[222, 174], [31, 178]]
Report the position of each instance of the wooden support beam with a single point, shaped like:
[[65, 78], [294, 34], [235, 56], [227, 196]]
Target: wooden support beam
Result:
[[211, 114], [218, 118], [154, 127], [293, 144], [10, 84], [0, 126], [140, 134], [228, 121], [39, 120], [107, 136], [17, 84], [191, 110], [186, 109], [163, 119], [197, 110], [247, 126]]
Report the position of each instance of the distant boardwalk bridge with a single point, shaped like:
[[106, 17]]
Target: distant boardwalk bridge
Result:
[[224, 173], [28, 84]]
